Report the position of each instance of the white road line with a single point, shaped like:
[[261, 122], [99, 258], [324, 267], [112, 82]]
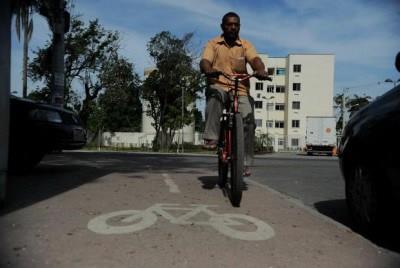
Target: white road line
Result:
[[173, 188]]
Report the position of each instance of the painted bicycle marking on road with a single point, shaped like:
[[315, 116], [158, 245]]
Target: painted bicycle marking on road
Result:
[[129, 221], [173, 188]]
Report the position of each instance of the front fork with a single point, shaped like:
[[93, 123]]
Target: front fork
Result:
[[225, 141]]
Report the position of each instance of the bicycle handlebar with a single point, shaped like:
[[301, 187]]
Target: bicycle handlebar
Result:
[[233, 77]]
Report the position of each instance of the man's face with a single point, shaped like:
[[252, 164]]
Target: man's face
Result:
[[231, 28]]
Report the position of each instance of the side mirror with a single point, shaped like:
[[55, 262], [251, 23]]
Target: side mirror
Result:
[[397, 63]]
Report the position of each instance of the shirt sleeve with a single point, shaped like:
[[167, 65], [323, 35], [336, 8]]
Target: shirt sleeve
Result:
[[208, 52], [250, 51]]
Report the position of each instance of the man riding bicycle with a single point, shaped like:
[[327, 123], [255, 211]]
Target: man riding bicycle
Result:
[[229, 54]]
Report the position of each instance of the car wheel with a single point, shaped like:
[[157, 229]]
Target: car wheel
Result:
[[23, 161], [3, 187], [362, 197]]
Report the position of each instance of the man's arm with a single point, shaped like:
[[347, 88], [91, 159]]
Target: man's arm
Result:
[[205, 66], [259, 68]]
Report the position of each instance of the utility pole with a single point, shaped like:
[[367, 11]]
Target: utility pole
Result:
[[5, 62], [58, 77]]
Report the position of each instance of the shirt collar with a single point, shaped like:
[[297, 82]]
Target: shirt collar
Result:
[[222, 40]]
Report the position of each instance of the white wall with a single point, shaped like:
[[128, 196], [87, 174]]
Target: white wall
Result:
[[140, 139]]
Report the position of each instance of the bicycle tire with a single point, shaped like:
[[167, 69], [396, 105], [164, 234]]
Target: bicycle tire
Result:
[[222, 163], [222, 172], [141, 219], [226, 223], [237, 159]]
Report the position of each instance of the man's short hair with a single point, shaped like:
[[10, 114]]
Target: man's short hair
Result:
[[228, 15]]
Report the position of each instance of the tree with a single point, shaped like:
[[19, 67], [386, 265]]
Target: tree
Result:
[[120, 101], [23, 21], [87, 50], [357, 102], [199, 123], [175, 81], [351, 104]]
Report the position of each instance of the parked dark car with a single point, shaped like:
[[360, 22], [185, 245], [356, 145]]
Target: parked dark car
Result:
[[369, 153], [36, 129]]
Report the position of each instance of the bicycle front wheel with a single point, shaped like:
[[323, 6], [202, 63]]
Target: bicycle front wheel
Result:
[[236, 178]]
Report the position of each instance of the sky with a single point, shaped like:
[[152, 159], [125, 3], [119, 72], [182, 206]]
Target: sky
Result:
[[364, 35]]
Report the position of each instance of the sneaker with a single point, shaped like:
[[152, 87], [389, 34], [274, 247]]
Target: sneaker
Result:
[[210, 144], [246, 172]]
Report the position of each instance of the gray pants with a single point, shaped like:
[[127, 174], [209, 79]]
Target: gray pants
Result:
[[216, 99]]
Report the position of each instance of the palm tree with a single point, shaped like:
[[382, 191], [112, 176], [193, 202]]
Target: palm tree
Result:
[[23, 21]]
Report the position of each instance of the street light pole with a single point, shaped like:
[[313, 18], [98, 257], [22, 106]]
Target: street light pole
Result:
[[267, 99], [183, 103], [388, 80], [343, 108]]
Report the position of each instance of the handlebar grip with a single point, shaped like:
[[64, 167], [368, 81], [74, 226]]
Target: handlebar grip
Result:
[[214, 74]]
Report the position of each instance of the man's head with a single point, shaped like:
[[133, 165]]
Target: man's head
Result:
[[231, 26]]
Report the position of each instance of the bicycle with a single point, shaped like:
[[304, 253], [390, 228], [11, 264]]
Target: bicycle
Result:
[[230, 146], [229, 224]]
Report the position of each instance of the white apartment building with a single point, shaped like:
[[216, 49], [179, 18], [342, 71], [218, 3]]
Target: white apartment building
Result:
[[302, 86]]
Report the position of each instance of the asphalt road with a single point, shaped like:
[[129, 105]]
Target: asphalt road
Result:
[[60, 215]]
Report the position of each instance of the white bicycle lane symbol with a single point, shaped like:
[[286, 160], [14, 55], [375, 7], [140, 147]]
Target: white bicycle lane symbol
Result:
[[129, 221]]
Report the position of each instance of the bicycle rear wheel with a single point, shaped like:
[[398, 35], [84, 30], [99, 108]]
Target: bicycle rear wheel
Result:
[[237, 159]]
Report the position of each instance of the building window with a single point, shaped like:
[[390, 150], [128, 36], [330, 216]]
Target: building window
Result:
[[295, 142], [259, 86], [279, 124], [296, 105], [269, 124], [280, 89], [258, 95], [280, 71], [270, 88], [295, 123], [270, 106], [258, 104], [296, 87], [281, 142], [297, 68], [279, 106], [258, 122], [271, 71]]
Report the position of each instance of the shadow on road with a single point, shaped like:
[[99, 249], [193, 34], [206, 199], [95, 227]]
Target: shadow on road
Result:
[[209, 182], [337, 210], [62, 172]]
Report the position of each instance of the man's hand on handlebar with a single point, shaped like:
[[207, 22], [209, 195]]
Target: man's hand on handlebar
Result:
[[261, 75], [213, 73]]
